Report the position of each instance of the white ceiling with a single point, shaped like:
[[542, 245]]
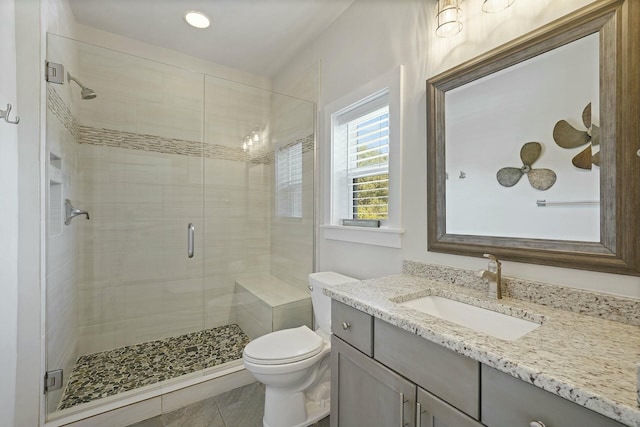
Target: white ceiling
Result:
[[258, 36]]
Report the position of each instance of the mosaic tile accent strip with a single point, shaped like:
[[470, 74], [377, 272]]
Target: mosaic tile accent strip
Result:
[[157, 144], [57, 106], [602, 306], [153, 143], [115, 371], [268, 157]]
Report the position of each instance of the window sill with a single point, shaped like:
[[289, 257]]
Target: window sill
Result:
[[387, 237]]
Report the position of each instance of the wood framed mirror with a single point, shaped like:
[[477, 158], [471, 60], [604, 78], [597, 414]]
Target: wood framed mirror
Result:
[[481, 115]]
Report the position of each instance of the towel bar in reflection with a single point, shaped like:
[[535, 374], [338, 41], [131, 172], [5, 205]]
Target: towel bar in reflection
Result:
[[544, 203]]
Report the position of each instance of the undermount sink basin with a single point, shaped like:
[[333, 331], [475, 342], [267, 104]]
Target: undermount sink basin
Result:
[[479, 319]]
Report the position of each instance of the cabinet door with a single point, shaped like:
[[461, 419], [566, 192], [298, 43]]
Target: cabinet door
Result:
[[433, 412], [365, 393]]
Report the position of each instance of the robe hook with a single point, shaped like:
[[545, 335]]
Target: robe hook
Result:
[[4, 114]]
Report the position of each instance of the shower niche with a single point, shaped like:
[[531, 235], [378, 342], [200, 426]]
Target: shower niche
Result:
[[56, 208], [153, 149]]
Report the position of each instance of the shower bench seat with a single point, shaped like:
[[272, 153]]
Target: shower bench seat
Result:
[[264, 303]]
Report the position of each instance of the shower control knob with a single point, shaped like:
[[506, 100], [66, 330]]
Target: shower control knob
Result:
[[536, 424], [346, 325]]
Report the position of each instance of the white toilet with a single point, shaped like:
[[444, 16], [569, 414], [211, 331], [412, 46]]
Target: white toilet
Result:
[[293, 364]]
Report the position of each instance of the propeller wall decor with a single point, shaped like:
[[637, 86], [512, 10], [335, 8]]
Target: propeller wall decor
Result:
[[566, 136], [540, 179]]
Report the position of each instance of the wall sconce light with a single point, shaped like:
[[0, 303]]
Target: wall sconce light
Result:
[[493, 6], [251, 140], [449, 14], [255, 136], [448, 18]]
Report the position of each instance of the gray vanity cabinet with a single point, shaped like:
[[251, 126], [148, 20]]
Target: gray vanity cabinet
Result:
[[385, 376], [365, 393], [382, 391]]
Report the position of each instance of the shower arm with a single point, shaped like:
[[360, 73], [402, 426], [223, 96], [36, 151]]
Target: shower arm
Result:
[[73, 79]]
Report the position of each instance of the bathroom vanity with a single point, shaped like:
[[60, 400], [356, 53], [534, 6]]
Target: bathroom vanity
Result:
[[395, 366]]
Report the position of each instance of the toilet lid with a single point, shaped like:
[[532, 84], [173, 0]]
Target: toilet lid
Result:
[[285, 346]]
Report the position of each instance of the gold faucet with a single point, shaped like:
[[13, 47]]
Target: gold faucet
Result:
[[493, 274]]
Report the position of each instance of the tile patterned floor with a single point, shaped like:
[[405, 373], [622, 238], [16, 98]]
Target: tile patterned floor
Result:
[[242, 407], [111, 372]]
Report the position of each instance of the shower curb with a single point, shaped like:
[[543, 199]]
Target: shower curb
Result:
[[157, 400]]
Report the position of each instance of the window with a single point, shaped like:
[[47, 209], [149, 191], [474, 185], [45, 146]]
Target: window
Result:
[[364, 181], [362, 133], [289, 181]]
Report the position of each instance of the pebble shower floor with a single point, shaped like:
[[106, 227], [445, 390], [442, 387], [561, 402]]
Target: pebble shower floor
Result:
[[115, 371]]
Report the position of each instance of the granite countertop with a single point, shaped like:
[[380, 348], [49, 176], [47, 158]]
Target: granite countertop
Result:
[[590, 361]]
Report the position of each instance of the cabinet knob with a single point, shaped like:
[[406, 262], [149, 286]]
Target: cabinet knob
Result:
[[346, 325], [536, 424]]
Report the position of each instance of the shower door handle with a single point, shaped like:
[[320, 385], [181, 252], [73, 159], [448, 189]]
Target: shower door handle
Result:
[[190, 240]]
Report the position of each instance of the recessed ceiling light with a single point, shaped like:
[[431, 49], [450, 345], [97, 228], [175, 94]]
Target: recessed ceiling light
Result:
[[196, 19]]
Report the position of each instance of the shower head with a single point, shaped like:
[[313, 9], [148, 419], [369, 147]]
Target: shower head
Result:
[[86, 92]]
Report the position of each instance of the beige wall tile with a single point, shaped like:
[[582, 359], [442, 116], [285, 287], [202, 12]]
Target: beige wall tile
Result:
[[101, 337]]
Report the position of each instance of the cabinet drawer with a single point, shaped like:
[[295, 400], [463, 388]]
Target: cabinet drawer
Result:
[[508, 402], [450, 376], [353, 326], [433, 412]]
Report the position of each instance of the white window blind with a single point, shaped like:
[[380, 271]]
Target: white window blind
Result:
[[368, 165], [289, 181]]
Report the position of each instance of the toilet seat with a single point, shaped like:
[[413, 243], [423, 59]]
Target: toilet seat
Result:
[[285, 346]]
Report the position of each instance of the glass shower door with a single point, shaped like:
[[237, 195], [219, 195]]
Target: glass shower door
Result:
[[124, 303]]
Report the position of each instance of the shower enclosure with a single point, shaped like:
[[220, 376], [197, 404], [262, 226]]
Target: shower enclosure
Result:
[[198, 233]]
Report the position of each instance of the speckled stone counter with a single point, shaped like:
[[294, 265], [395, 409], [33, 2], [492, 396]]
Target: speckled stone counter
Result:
[[588, 360]]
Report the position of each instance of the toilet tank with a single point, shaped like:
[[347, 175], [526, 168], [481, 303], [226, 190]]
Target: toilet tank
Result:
[[322, 303]]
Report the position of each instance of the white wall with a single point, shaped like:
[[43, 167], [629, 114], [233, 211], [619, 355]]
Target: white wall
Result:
[[29, 382], [371, 38], [33, 19], [8, 215]]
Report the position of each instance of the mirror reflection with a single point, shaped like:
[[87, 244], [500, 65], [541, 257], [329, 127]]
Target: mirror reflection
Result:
[[519, 153]]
